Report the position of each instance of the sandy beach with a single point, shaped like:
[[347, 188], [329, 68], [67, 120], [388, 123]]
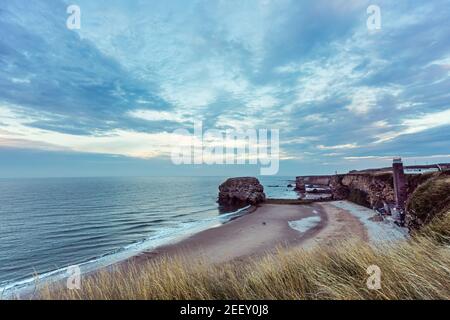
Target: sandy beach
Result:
[[267, 228], [263, 231]]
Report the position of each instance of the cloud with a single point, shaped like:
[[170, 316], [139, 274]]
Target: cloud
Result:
[[338, 147], [138, 70], [363, 102], [152, 115], [129, 143], [49, 68], [426, 122], [301, 140], [409, 158], [18, 133], [381, 124], [370, 158], [417, 124]]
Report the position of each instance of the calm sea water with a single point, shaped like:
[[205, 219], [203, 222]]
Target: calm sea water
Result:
[[47, 225]]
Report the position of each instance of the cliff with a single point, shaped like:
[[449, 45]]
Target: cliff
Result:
[[370, 188]]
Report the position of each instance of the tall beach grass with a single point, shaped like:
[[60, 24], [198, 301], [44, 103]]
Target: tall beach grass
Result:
[[418, 268]]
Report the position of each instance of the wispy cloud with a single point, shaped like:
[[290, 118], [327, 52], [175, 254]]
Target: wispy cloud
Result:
[[417, 124], [137, 71], [338, 147], [153, 115]]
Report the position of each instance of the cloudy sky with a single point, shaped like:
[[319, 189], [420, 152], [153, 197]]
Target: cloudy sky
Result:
[[107, 98]]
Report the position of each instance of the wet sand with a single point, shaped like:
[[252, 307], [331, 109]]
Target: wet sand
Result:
[[342, 225], [252, 235], [263, 231]]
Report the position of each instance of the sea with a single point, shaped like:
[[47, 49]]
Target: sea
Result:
[[50, 224]]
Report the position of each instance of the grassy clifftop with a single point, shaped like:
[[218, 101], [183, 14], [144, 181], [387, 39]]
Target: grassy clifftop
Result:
[[413, 269], [430, 199]]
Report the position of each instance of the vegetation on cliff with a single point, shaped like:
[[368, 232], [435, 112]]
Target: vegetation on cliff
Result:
[[430, 200]]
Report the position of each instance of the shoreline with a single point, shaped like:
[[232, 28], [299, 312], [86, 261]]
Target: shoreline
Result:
[[27, 287], [267, 227], [257, 232], [263, 231], [249, 235]]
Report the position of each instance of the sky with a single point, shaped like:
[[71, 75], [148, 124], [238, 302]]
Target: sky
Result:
[[107, 99]]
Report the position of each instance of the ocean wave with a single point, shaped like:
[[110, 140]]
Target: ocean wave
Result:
[[166, 236]]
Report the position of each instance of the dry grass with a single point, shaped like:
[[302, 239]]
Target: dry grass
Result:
[[415, 269], [431, 199]]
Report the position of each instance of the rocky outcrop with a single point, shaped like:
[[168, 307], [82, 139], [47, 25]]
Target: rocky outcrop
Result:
[[338, 190], [301, 182], [368, 189], [241, 191], [371, 190], [427, 193]]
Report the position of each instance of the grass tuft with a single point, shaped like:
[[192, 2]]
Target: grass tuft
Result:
[[415, 269]]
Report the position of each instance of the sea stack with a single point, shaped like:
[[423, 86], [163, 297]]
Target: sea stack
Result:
[[241, 191]]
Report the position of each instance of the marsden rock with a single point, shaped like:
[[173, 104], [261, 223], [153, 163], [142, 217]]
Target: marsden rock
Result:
[[241, 191]]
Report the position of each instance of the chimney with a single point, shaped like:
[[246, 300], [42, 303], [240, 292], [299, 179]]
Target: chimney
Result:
[[399, 183]]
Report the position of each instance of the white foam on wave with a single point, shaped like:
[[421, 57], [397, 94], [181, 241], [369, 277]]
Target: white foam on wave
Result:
[[163, 237]]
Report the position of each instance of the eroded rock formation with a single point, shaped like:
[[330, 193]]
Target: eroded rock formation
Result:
[[338, 190], [241, 191], [371, 190]]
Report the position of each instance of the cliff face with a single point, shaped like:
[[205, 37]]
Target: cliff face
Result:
[[241, 191], [370, 189]]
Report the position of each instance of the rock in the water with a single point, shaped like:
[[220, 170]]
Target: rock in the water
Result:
[[241, 191]]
